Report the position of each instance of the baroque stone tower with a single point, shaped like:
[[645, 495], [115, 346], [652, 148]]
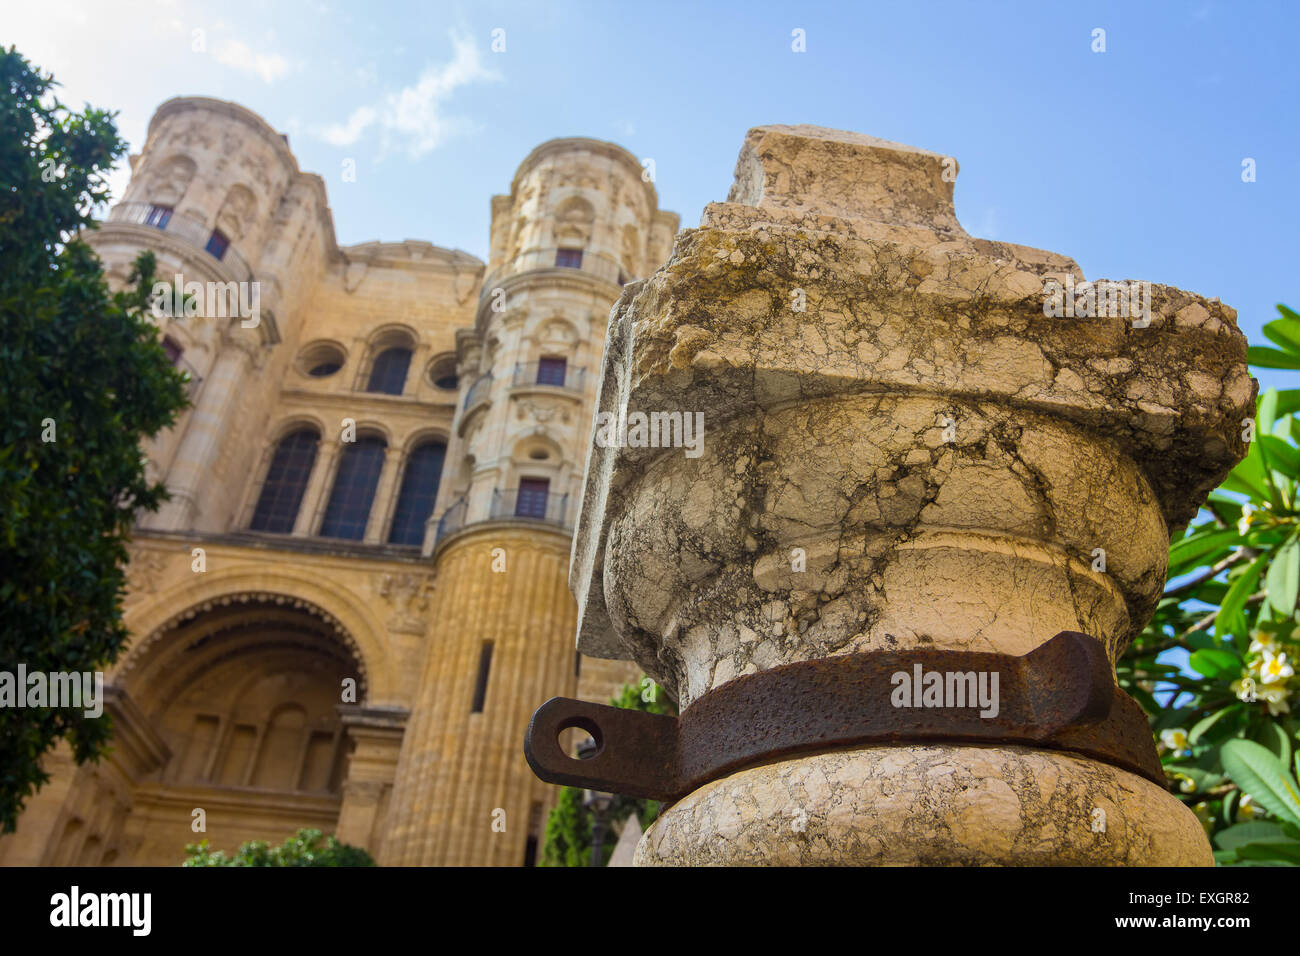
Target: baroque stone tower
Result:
[[579, 222], [356, 595]]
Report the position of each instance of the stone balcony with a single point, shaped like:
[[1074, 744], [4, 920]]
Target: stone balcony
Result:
[[176, 224]]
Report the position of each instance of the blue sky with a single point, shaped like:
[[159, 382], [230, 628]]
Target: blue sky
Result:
[[1128, 160]]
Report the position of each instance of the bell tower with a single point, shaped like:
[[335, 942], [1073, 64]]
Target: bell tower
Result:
[[580, 222]]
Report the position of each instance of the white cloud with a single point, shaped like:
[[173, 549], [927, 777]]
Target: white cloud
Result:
[[415, 117], [348, 133], [238, 55]]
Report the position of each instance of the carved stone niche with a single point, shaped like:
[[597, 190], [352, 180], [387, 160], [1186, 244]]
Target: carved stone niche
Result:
[[169, 181], [556, 336], [573, 219], [631, 250], [237, 212]]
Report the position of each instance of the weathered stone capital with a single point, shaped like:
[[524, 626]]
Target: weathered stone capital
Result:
[[808, 169], [908, 442]]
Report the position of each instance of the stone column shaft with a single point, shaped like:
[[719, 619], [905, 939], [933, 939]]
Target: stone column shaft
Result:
[[205, 433]]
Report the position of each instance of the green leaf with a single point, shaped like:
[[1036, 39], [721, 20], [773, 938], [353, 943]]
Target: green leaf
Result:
[[1267, 411], [1212, 663], [1242, 485], [1281, 456], [1284, 332], [1283, 852], [1277, 740], [1288, 401], [1264, 357], [1202, 726], [1259, 773], [1243, 833], [1248, 477], [1272, 736], [1230, 619], [1193, 550], [1204, 779], [1283, 579]]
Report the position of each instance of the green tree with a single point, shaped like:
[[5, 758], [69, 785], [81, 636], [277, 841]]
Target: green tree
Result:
[[304, 848], [1226, 732], [83, 378], [569, 826]]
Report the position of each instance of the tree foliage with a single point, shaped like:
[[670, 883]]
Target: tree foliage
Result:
[[304, 848], [1215, 667], [569, 826], [83, 378]]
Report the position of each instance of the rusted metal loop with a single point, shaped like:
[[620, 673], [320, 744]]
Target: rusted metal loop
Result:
[[1059, 696], [635, 751]]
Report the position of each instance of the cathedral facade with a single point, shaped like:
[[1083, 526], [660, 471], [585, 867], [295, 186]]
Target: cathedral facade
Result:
[[357, 593]]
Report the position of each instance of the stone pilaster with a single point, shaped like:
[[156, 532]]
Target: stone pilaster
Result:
[[206, 430], [376, 736]]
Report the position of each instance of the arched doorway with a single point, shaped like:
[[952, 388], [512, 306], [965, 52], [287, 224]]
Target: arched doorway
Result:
[[244, 692]]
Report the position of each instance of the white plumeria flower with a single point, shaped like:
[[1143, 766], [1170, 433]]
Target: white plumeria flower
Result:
[[1274, 668], [1276, 698], [1261, 643], [1175, 739], [1246, 809], [1246, 689], [1243, 524]]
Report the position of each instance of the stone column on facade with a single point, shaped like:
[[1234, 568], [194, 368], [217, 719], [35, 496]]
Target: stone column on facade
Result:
[[382, 506], [377, 738], [313, 499], [903, 450], [206, 429]]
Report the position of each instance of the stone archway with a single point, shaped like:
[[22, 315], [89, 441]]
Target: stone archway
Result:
[[244, 692], [233, 720]]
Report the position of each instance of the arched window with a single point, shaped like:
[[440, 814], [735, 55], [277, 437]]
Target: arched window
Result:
[[419, 489], [388, 374], [354, 489], [286, 480]]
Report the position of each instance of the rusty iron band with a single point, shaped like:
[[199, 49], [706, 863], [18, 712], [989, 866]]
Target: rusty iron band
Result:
[[1060, 696]]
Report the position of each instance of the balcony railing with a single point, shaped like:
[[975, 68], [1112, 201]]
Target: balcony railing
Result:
[[478, 391], [541, 373], [594, 263], [508, 505], [453, 519], [183, 226], [531, 506]]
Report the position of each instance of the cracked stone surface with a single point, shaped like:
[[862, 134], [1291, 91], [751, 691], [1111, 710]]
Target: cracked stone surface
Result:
[[931, 805], [900, 448]]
